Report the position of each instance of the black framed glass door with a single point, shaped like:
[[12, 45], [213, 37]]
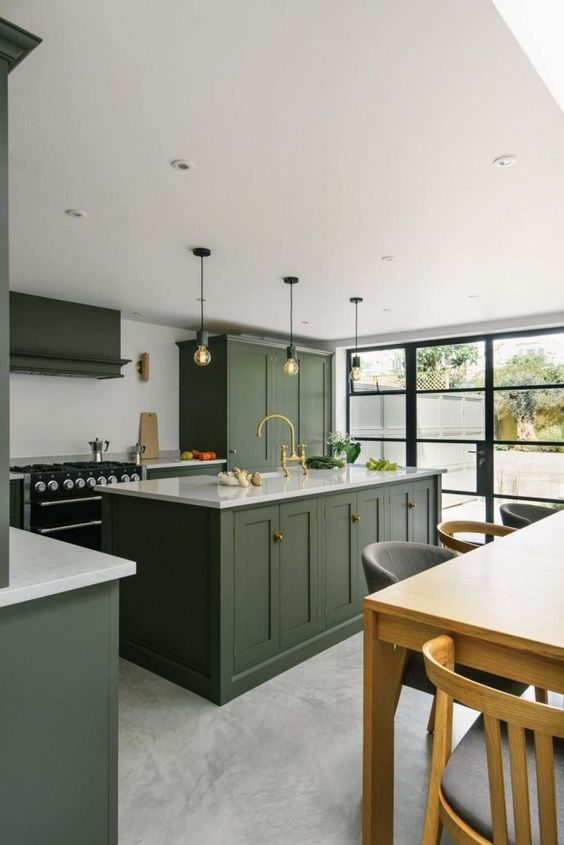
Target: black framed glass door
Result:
[[489, 409]]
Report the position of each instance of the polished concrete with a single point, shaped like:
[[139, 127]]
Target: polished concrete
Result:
[[280, 765]]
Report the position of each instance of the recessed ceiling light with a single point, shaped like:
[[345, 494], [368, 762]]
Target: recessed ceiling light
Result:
[[387, 310], [505, 161], [388, 258], [182, 164], [138, 313], [305, 322], [473, 296], [75, 212]]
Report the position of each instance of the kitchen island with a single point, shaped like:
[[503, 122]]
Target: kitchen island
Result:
[[235, 585]]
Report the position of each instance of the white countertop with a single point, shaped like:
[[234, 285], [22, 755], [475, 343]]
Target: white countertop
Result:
[[204, 491], [157, 463], [40, 566], [16, 476]]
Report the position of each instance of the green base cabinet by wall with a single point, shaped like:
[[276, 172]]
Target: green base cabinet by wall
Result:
[[225, 599], [184, 472], [221, 404], [59, 719]]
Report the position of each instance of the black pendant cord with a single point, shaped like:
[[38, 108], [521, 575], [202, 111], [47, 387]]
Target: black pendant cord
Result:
[[291, 315], [356, 328], [201, 293]]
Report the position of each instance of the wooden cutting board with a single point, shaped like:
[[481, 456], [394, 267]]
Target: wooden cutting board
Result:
[[149, 434]]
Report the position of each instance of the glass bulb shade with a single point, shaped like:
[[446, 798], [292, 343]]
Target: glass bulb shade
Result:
[[291, 367], [202, 356], [355, 374]]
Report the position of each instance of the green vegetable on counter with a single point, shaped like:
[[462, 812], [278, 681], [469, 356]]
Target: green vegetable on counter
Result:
[[381, 464], [324, 462]]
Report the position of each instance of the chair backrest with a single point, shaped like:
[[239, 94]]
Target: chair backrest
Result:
[[447, 530], [518, 715], [518, 515], [389, 562]]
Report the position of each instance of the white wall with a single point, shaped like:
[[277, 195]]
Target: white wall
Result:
[[58, 416]]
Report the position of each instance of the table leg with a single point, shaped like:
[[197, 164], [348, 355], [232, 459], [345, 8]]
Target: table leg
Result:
[[382, 674]]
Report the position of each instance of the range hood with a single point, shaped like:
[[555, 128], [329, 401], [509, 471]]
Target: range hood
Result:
[[59, 338]]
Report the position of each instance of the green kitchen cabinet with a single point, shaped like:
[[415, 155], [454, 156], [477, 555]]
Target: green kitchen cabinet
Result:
[[299, 571], [257, 590], [59, 718], [341, 565], [276, 579], [221, 404], [184, 472], [314, 402], [251, 395], [372, 509], [16, 503], [413, 509]]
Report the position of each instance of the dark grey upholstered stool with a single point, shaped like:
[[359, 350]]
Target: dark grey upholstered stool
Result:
[[517, 515], [389, 562]]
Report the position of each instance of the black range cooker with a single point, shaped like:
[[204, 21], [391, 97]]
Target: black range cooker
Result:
[[60, 501]]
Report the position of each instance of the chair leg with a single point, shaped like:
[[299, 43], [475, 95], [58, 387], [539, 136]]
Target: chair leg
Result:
[[541, 695], [431, 722]]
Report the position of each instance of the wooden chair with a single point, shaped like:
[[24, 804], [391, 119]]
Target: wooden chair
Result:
[[508, 743], [447, 530]]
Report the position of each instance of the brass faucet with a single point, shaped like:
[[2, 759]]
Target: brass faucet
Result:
[[284, 457]]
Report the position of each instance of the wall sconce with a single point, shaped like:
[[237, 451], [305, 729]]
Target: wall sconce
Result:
[[142, 366]]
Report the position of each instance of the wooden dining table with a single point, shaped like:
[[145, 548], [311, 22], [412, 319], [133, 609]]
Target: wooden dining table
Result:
[[503, 604]]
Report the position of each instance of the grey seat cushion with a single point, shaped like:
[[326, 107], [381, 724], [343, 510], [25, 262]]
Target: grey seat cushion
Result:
[[465, 783]]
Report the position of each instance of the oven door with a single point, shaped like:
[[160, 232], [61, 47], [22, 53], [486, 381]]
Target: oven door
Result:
[[75, 521]]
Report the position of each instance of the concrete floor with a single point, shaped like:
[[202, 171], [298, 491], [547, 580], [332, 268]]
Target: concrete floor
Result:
[[280, 765]]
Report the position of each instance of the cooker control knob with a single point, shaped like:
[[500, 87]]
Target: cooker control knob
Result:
[[52, 486], [91, 481], [80, 483], [125, 478], [101, 480], [68, 483], [135, 477], [112, 479], [40, 487]]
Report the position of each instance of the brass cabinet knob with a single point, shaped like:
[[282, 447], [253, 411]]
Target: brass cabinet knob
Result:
[[278, 536], [233, 451], [411, 504], [356, 517]]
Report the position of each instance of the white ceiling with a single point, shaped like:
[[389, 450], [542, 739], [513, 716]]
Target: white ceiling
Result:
[[325, 135]]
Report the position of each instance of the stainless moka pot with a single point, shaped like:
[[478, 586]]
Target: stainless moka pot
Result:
[[97, 447], [138, 450]]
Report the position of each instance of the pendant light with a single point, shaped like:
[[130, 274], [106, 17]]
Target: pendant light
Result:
[[291, 367], [355, 373], [202, 355]]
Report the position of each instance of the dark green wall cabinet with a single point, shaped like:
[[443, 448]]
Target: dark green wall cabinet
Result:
[[220, 405], [225, 599], [15, 45]]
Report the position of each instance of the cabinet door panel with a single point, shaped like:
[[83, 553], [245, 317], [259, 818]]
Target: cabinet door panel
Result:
[[299, 611], [250, 398], [400, 512], [371, 528], [424, 513], [315, 401], [256, 585], [341, 564]]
